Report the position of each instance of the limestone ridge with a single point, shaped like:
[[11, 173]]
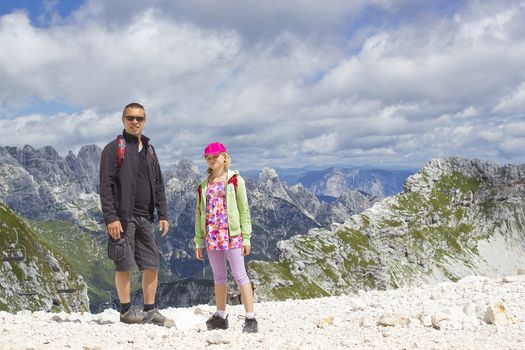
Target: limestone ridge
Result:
[[32, 275], [454, 218], [41, 185]]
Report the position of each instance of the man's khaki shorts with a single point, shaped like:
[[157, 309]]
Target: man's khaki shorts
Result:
[[142, 247]]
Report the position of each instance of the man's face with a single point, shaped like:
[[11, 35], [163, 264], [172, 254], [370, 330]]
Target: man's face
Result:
[[134, 120]]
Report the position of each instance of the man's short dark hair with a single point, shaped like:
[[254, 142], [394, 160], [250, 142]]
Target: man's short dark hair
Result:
[[133, 105]]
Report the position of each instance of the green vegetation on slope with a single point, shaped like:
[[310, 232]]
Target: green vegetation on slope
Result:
[[86, 251], [33, 273], [428, 232], [296, 287], [449, 237]]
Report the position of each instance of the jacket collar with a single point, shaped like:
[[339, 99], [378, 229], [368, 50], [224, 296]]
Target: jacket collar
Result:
[[232, 172], [204, 183], [133, 139]]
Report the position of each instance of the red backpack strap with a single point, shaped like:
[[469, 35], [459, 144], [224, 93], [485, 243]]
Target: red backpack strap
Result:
[[151, 152], [121, 150], [233, 180]]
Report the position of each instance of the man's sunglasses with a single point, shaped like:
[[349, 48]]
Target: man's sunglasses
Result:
[[131, 118]]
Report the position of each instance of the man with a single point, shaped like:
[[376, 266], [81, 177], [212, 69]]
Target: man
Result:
[[131, 188]]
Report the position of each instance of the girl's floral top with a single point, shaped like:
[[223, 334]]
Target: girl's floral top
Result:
[[217, 237]]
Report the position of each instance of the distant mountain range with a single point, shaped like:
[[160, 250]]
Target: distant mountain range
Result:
[[61, 195], [330, 183], [322, 233]]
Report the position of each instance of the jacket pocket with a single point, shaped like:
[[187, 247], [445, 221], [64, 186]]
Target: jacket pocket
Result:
[[233, 223], [117, 249]]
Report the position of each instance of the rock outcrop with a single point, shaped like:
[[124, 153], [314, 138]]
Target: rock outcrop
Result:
[[455, 217]]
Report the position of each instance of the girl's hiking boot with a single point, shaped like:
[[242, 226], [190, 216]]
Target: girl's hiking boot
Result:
[[132, 316], [250, 326], [217, 322]]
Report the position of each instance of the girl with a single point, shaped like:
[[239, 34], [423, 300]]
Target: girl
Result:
[[222, 225]]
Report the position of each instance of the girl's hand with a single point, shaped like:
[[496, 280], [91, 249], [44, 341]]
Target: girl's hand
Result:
[[246, 250], [163, 227], [198, 254]]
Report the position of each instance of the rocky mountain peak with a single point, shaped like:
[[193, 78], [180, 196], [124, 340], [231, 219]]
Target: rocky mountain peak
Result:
[[90, 152], [186, 168], [5, 156], [481, 170], [337, 170], [49, 154], [269, 179], [28, 149], [182, 176], [268, 174]]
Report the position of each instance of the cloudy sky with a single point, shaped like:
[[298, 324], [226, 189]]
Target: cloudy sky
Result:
[[281, 83]]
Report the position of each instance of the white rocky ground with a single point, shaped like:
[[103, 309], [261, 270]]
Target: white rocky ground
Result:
[[475, 313]]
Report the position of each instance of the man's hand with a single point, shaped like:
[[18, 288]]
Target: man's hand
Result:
[[246, 250], [115, 229], [198, 254], [163, 227]]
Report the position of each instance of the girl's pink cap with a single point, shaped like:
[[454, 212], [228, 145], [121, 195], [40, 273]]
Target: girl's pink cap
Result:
[[214, 148]]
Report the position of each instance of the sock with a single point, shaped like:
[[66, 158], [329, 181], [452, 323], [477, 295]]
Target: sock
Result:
[[221, 313], [250, 315], [124, 307], [148, 307]]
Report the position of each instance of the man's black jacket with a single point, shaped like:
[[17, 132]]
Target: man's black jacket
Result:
[[117, 186]]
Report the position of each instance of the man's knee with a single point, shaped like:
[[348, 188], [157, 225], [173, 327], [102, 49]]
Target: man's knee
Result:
[[123, 274]]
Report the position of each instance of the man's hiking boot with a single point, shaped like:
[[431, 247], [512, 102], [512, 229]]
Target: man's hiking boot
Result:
[[250, 326], [156, 318], [217, 322], [132, 316]]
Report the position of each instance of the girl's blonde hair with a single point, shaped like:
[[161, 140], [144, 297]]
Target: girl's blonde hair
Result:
[[227, 162]]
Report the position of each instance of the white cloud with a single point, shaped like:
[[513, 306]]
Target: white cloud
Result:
[[90, 65], [64, 132], [513, 146], [333, 83], [321, 144], [254, 20], [513, 102]]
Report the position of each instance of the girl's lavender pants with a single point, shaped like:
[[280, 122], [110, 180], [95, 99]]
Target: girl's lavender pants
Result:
[[218, 265]]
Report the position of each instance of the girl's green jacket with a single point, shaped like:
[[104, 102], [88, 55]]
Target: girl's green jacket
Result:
[[238, 212]]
